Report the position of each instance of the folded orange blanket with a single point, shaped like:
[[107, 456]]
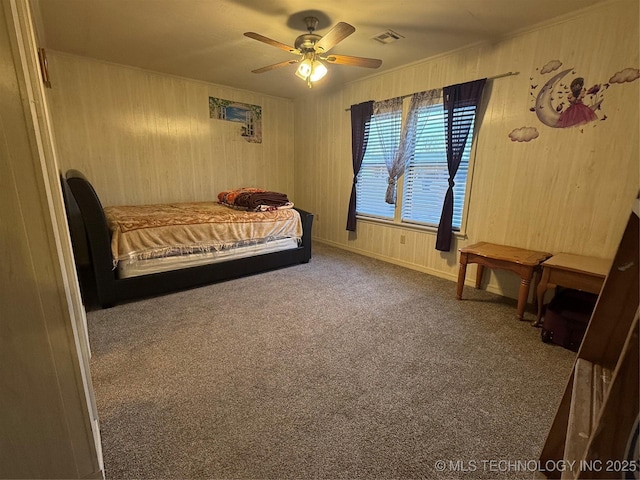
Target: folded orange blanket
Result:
[[254, 199], [229, 196]]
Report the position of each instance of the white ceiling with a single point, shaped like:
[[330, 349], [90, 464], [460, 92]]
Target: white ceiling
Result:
[[203, 39]]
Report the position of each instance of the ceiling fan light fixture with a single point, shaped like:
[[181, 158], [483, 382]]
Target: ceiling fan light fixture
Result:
[[311, 69], [318, 71], [305, 69]]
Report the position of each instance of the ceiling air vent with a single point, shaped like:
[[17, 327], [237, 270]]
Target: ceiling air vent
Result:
[[388, 36]]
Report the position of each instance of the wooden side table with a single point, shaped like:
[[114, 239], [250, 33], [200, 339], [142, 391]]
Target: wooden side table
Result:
[[523, 262], [571, 271]]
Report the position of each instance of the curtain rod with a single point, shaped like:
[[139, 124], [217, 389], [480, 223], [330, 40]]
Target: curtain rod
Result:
[[507, 74]]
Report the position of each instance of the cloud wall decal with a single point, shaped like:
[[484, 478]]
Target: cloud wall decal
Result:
[[626, 75], [524, 134], [551, 66]]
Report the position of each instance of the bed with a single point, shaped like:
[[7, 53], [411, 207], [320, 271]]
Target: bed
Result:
[[120, 245]]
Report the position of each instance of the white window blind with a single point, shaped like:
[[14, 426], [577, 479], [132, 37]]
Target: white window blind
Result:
[[426, 174], [373, 177]]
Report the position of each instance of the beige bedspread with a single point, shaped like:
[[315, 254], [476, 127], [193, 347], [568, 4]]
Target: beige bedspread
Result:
[[150, 231]]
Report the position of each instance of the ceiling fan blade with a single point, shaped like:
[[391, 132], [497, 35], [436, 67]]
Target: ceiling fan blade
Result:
[[353, 61], [273, 43], [334, 36], [275, 65]]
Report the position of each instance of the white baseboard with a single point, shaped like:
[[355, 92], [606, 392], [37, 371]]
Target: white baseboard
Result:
[[413, 266]]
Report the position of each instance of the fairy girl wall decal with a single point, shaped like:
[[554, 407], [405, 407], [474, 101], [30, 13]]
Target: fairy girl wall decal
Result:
[[558, 105], [577, 113]]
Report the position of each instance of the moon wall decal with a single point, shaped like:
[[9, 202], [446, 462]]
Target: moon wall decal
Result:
[[544, 109]]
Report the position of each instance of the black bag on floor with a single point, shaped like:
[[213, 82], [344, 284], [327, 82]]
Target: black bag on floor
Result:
[[566, 318]]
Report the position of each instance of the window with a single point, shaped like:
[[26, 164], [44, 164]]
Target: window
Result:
[[426, 175], [371, 188]]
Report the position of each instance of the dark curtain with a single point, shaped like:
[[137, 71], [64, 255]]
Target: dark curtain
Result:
[[360, 120], [456, 98]]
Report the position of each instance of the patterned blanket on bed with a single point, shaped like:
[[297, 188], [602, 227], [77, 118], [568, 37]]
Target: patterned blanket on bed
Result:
[[150, 231]]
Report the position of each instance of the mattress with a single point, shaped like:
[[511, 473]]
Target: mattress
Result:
[[134, 268]]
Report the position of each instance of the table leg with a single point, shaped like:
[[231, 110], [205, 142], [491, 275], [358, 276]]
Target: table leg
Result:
[[462, 273], [542, 288], [537, 276], [479, 275], [523, 294]]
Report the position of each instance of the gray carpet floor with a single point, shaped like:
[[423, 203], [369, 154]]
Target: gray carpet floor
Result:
[[346, 367]]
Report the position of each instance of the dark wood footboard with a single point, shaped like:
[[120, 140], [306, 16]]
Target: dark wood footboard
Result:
[[92, 243]]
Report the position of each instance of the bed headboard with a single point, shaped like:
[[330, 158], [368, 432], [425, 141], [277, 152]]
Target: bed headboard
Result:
[[95, 226], [76, 226]]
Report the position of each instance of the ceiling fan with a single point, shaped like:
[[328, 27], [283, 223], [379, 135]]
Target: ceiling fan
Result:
[[311, 48]]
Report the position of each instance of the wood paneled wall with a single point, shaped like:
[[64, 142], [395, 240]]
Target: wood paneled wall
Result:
[[48, 421], [143, 137], [569, 190]]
